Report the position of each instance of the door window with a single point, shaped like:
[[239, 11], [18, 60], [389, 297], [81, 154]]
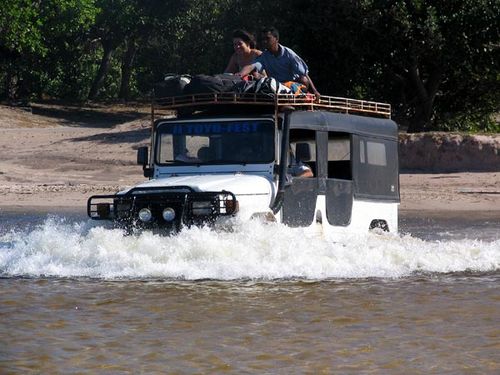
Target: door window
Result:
[[339, 156], [297, 137]]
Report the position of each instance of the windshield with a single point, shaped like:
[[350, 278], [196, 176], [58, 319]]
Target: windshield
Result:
[[216, 142]]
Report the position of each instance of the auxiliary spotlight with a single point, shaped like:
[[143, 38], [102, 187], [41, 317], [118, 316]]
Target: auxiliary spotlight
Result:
[[168, 214], [145, 215]]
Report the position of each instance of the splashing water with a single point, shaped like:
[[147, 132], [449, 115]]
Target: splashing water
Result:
[[57, 248]]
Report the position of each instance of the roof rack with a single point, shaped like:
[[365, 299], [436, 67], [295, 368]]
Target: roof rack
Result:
[[278, 101]]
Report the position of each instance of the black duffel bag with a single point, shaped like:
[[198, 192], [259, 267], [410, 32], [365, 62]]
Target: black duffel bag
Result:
[[206, 84], [172, 85]]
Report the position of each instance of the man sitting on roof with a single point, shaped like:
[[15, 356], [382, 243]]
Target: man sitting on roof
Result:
[[280, 62]]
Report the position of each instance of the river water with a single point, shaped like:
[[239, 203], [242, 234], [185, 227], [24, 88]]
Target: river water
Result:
[[76, 297]]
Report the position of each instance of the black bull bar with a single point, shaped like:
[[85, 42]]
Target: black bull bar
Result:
[[190, 207]]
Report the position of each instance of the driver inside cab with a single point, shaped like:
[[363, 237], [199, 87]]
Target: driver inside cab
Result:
[[297, 168]]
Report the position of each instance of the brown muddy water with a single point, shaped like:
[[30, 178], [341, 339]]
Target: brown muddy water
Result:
[[79, 298]]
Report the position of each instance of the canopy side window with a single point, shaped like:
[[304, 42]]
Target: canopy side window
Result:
[[339, 156], [373, 153]]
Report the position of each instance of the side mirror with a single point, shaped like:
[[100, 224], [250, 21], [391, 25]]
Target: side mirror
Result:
[[143, 159], [142, 156], [303, 151]]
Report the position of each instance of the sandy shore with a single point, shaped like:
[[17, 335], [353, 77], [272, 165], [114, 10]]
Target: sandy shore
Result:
[[53, 159]]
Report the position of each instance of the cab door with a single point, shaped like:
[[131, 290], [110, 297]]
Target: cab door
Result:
[[339, 184], [299, 201], [332, 168]]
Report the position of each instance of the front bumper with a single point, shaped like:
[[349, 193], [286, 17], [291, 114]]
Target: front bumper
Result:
[[190, 207]]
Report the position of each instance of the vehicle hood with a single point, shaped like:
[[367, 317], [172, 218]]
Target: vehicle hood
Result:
[[237, 184]]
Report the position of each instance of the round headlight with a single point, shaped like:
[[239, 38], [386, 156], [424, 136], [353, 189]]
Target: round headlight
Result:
[[145, 215], [168, 214]]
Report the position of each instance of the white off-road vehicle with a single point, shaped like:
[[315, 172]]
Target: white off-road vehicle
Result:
[[229, 156]]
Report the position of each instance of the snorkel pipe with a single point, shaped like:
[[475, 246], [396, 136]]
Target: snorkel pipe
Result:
[[278, 201]]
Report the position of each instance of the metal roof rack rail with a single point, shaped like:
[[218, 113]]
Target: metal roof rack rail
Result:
[[278, 101]]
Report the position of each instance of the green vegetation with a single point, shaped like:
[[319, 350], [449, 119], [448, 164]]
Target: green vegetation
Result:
[[436, 62]]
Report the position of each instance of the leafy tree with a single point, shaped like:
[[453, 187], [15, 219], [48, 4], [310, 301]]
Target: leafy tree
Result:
[[19, 36], [151, 37], [471, 90], [425, 50], [124, 30], [113, 21], [41, 43], [435, 62], [65, 71]]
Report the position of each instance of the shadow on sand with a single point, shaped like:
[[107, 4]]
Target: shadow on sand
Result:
[[130, 136], [91, 117]]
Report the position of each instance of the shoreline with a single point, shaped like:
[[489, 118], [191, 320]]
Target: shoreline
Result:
[[452, 192], [420, 192]]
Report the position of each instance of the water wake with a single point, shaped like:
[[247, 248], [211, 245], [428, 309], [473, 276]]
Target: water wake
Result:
[[256, 251]]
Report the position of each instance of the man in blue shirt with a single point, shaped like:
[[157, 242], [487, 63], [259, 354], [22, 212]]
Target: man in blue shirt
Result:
[[280, 62]]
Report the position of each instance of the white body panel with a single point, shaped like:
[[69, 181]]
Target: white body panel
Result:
[[363, 213], [236, 183], [254, 193]]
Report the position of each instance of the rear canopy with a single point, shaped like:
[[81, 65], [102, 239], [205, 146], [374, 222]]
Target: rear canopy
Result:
[[373, 154], [346, 123]]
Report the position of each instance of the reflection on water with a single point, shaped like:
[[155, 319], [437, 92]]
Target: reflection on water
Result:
[[263, 299]]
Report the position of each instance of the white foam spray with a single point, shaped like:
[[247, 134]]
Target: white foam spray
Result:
[[254, 250]]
